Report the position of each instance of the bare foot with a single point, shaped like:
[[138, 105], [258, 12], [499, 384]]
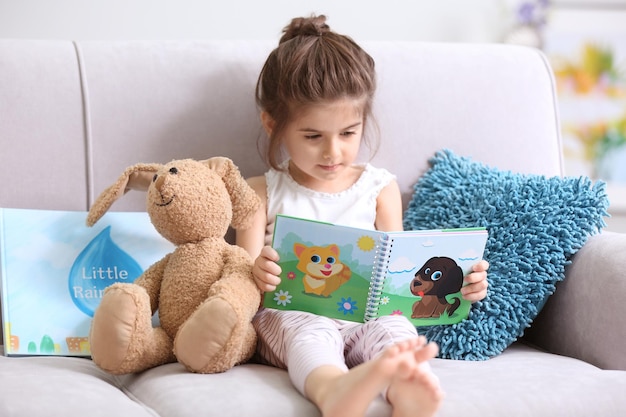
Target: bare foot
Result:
[[419, 394], [339, 393]]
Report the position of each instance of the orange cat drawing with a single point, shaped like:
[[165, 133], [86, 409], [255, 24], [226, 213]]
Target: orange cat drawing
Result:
[[323, 271]]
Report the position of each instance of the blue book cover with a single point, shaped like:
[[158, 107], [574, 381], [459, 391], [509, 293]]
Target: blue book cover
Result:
[[54, 270], [358, 274]]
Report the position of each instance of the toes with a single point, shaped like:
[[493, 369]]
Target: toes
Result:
[[427, 352]]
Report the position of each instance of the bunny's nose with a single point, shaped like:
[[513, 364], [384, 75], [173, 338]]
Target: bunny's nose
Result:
[[158, 181]]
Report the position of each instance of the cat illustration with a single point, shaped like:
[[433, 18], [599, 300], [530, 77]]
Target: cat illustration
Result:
[[323, 272]]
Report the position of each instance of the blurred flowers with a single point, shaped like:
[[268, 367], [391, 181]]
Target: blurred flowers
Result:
[[599, 140], [594, 71], [530, 18], [593, 76], [532, 13]]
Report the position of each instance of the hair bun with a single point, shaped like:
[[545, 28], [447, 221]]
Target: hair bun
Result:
[[305, 26]]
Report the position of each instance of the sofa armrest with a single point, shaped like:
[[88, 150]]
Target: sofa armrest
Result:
[[584, 318]]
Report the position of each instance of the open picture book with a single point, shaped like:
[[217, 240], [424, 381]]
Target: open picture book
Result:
[[359, 274]]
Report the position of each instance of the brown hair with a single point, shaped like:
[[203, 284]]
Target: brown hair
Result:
[[312, 64]]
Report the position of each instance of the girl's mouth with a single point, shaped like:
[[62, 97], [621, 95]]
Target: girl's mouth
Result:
[[330, 167]]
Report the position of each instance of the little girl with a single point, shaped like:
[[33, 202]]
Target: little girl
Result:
[[315, 94]]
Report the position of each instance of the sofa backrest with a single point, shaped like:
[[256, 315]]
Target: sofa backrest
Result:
[[73, 115]]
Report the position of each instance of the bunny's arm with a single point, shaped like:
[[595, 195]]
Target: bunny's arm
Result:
[[237, 284], [151, 280]]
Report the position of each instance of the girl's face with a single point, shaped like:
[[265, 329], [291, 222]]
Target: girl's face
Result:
[[323, 142]]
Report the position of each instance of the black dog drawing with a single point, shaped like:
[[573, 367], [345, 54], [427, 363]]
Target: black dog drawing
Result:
[[438, 277]]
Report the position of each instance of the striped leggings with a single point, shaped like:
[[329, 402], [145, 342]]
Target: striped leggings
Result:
[[301, 342]]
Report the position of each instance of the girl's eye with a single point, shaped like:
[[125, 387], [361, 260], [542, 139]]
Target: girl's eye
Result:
[[316, 136], [348, 133]]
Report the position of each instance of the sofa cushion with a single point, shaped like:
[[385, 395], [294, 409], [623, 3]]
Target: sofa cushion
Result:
[[62, 386], [535, 225]]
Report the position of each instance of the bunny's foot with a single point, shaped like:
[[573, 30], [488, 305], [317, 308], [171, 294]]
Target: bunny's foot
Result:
[[121, 337], [203, 341]]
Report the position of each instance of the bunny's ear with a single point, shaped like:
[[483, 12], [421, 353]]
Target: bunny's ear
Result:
[[136, 177], [244, 199]]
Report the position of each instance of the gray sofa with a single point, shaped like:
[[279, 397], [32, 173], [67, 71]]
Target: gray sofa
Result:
[[73, 115]]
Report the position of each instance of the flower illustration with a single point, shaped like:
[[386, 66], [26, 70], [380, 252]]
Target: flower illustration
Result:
[[347, 305], [291, 275], [384, 300], [282, 297], [396, 313]]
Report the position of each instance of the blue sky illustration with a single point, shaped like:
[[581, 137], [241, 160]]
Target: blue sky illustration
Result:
[[38, 251]]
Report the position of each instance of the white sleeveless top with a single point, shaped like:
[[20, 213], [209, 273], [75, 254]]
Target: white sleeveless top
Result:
[[355, 207]]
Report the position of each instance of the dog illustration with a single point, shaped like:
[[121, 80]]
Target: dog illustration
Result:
[[438, 277], [323, 271]]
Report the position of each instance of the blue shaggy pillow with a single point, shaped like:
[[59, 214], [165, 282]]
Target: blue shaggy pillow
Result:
[[535, 225]]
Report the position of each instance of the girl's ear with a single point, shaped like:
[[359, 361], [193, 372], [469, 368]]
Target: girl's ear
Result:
[[268, 122]]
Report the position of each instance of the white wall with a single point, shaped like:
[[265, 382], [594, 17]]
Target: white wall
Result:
[[424, 20], [445, 20]]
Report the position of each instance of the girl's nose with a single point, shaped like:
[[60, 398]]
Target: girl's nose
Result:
[[332, 148]]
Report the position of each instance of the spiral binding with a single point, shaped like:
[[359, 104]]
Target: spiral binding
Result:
[[379, 271]]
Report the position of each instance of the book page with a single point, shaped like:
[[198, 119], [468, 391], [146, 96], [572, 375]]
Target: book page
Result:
[[326, 269], [425, 273], [54, 270]]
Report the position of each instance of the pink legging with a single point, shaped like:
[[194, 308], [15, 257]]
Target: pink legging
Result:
[[301, 342]]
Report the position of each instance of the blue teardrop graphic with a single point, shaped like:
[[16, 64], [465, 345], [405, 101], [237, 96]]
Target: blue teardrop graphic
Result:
[[99, 265]]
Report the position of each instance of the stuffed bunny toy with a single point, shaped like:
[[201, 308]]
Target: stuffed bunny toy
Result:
[[203, 291]]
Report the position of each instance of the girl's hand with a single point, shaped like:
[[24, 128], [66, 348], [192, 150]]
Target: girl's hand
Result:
[[265, 270], [476, 288]]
